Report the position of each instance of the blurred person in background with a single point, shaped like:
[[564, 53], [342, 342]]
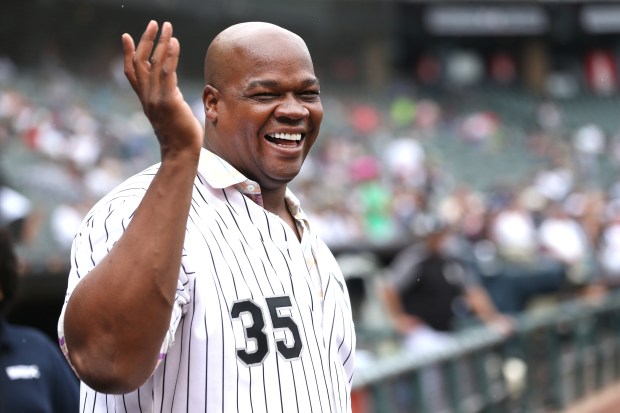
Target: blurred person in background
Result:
[[563, 238], [34, 376], [513, 230], [18, 214], [526, 270], [590, 144], [608, 255], [432, 290], [374, 199]]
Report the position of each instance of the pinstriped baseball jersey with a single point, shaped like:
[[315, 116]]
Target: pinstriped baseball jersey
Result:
[[261, 322]]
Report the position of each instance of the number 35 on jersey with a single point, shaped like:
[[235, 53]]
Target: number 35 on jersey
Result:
[[266, 329]]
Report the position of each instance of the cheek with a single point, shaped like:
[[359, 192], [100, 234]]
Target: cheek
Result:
[[310, 143], [256, 118], [317, 115]]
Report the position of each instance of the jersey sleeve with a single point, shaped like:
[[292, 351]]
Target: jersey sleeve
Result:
[[98, 233]]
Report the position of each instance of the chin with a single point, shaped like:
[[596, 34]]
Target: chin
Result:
[[282, 178]]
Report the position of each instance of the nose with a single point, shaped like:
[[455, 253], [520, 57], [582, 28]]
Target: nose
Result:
[[291, 108]]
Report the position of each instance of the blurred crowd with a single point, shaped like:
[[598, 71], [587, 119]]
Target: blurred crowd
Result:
[[377, 176], [64, 142]]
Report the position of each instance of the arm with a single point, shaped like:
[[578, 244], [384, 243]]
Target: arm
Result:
[[403, 265], [403, 322], [118, 315], [482, 305]]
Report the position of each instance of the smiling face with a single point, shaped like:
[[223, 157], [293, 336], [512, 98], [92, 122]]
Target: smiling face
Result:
[[262, 105]]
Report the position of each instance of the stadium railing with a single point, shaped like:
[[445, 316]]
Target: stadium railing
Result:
[[557, 357]]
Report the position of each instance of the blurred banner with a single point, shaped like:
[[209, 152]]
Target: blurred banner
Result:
[[601, 18], [472, 20]]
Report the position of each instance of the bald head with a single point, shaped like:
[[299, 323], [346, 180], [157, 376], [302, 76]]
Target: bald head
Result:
[[261, 86], [229, 48]]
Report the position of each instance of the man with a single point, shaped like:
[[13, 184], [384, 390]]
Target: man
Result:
[[34, 377], [431, 289], [198, 285]]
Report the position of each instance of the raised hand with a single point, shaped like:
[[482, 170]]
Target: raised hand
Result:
[[151, 71]]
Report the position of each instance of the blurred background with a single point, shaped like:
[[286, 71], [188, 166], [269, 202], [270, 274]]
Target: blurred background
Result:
[[498, 119]]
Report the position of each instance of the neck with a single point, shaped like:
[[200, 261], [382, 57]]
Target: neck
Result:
[[274, 202]]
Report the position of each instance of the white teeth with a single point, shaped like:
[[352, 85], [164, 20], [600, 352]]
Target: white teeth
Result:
[[287, 136]]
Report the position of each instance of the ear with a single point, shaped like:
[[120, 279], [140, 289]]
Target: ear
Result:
[[210, 99]]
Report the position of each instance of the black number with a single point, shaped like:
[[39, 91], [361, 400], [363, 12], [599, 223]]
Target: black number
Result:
[[253, 332], [256, 330], [284, 322]]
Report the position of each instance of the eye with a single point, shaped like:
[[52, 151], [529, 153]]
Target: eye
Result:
[[264, 96], [310, 95]]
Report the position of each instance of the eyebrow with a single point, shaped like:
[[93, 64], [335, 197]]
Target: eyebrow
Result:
[[274, 83]]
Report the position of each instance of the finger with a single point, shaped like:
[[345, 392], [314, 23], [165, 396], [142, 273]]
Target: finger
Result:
[[161, 49], [129, 50], [169, 67], [143, 52], [145, 45], [158, 57]]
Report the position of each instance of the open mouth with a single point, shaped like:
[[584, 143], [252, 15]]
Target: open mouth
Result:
[[285, 139]]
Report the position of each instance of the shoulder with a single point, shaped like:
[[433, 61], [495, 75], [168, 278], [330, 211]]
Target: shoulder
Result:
[[127, 195], [134, 186], [410, 255], [27, 337], [23, 331], [32, 354]]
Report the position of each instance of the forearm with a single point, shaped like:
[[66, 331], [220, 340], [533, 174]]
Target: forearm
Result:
[[118, 315], [481, 304], [402, 322], [484, 307], [392, 302]]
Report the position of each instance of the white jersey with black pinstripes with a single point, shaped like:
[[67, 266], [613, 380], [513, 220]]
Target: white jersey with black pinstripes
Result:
[[262, 321]]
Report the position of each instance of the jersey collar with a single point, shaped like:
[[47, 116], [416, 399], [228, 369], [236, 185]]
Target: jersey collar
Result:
[[217, 172], [220, 174]]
